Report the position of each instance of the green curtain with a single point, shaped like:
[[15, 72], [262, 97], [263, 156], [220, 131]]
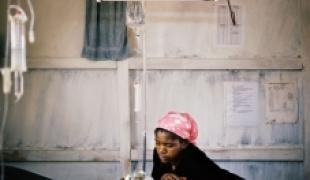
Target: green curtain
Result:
[[105, 35]]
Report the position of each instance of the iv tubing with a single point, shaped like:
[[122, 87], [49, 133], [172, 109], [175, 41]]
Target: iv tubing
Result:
[[31, 32], [6, 96], [144, 91], [3, 122]]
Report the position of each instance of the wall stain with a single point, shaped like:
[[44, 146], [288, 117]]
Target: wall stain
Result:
[[245, 139], [14, 156]]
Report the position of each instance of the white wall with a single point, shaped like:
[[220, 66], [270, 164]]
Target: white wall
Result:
[[71, 107]]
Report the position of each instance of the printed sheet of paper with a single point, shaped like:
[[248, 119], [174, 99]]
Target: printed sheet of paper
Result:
[[241, 103]]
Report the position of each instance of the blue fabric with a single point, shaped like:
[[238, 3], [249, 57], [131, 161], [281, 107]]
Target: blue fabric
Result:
[[105, 31]]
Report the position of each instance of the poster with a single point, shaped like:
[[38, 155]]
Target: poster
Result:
[[281, 102]]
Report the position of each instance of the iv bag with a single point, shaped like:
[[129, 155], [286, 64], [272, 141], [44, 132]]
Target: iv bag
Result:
[[18, 40], [135, 14], [18, 47]]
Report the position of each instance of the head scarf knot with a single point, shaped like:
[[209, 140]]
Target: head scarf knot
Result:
[[182, 124]]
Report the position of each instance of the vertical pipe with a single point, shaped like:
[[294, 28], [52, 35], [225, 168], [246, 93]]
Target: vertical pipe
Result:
[[304, 6], [124, 115]]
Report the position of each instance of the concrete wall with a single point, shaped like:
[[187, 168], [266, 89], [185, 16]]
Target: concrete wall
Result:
[[72, 121], [306, 75]]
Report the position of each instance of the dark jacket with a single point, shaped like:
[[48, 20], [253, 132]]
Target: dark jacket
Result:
[[194, 165]]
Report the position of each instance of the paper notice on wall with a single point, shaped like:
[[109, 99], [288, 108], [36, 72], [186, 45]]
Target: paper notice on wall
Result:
[[241, 103], [227, 33], [281, 103]]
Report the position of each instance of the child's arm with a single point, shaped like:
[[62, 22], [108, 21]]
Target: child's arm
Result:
[[171, 176]]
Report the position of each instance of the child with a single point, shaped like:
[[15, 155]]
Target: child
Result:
[[176, 157]]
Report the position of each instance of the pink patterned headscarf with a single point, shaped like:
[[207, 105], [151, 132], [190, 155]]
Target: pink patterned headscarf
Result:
[[182, 124]]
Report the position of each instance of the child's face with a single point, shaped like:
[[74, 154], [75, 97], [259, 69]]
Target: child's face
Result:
[[167, 148]]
